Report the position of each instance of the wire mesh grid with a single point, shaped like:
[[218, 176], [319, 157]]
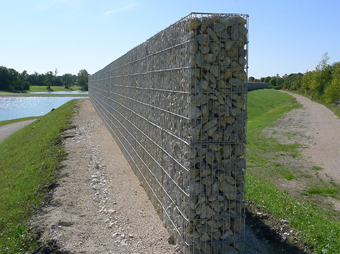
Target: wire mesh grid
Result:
[[176, 105]]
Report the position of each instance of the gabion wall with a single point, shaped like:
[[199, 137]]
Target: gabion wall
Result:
[[176, 105]]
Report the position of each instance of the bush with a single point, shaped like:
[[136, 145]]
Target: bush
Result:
[[332, 92]]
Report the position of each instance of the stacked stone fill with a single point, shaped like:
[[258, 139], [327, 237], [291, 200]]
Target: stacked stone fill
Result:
[[176, 105]]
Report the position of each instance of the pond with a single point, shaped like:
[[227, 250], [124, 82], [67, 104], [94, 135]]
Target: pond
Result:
[[19, 107]]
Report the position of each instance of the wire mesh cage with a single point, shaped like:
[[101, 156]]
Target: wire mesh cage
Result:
[[177, 105]]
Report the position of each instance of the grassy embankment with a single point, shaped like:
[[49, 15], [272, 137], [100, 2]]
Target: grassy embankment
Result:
[[30, 161], [317, 228]]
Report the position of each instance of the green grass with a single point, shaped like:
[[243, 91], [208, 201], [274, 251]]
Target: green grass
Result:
[[317, 168], [319, 230], [2, 123], [325, 189], [52, 89], [30, 162], [264, 108]]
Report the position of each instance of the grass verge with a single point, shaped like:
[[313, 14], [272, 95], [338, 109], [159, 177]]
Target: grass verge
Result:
[[45, 89], [30, 162], [53, 89], [2, 123], [318, 229]]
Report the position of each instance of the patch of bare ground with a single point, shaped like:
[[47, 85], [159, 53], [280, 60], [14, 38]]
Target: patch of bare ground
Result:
[[302, 127]]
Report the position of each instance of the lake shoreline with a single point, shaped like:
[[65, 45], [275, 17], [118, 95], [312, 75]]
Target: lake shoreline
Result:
[[13, 107]]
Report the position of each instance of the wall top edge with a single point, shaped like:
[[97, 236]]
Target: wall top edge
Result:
[[216, 13], [191, 15]]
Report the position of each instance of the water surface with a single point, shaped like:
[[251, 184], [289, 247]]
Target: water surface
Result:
[[19, 107]]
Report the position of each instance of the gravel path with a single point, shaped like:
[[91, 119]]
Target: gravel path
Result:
[[323, 131], [99, 205], [9, 129]]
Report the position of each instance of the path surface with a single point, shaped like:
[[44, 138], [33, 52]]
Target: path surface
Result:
[[9, 129], [99, 205], [323, 130]]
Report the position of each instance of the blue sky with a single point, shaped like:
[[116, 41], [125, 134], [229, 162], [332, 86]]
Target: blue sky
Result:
[[285, 36]]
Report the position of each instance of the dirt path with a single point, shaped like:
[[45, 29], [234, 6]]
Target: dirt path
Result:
[[99, 205], [323, 132], [9, 129]]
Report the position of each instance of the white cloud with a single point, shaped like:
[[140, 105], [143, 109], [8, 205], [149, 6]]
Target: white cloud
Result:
[[126, 8]]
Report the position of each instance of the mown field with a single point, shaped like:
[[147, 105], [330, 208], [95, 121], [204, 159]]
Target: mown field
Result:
[[53, 89]]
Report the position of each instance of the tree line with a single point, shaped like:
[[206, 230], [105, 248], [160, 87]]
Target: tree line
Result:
[[323, 83], [12, 80]]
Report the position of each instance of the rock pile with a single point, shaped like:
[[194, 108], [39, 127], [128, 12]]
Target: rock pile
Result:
[[177, 106]]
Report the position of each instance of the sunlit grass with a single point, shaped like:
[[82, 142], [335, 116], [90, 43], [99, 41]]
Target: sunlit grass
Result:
[[319, 231], [52, 89], [30, 161]]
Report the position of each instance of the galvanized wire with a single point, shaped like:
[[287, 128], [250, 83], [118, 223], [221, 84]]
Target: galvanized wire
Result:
[[177, 105]]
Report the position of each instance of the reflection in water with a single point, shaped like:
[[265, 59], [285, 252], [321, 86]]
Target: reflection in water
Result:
[[18, 107]]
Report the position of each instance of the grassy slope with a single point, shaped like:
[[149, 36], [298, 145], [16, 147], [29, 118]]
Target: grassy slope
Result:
[[30, 161], [318, 230]]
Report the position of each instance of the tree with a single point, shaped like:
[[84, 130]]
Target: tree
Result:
[[14, 80], [49, 79], [272, 81], [4, 81], [266, 80], [251, 79], [323, 62], [82, 79], [332, 92], [55, 77], [24, 83], [292, 81], [67, 80], [58, 81]]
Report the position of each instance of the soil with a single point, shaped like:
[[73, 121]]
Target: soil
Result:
[[99, 205]]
